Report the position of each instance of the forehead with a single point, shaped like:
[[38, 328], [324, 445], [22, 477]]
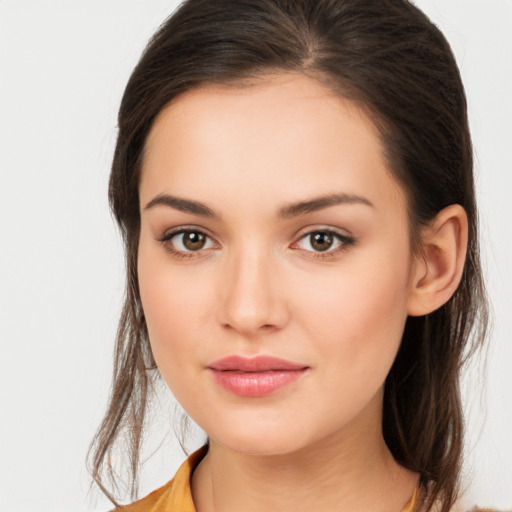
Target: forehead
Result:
[[286, 135], [273, 101]]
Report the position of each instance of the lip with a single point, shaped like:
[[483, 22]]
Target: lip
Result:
[[257, 376]]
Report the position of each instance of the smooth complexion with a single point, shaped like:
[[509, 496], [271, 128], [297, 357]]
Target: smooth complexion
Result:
[[238, 258]]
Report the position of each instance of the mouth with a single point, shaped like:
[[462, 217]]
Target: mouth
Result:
[[255, 377]]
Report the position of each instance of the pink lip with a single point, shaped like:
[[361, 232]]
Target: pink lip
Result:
[[258, 376]]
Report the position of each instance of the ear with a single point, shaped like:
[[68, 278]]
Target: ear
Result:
[[438, 268]]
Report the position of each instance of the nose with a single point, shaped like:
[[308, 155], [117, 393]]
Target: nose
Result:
[[253, 299]]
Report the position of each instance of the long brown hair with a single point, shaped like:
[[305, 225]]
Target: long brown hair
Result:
[[390, 58]]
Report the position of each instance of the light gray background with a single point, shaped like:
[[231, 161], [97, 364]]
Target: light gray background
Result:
[[63, 67]]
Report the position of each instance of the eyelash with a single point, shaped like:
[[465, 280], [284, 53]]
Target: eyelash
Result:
[[344, 240], [166, 238]]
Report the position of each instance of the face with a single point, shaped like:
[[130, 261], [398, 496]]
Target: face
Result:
[[271, 227]]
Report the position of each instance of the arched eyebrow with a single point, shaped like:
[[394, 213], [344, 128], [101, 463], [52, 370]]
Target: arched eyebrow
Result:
[[319, 203], [183, 205], [286, 212]]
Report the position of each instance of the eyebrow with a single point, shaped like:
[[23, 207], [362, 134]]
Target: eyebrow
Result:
[[183, 205], [319, 203], [286, 212]]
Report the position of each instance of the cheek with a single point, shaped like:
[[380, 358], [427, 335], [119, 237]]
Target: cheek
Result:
[[175, 303], [358, 315], [354, 329]]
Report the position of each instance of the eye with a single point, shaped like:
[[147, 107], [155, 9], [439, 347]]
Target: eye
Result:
[[186, 242], [324, 242]]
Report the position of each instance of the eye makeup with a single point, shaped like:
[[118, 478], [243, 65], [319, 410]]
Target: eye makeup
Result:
[[191, 242]]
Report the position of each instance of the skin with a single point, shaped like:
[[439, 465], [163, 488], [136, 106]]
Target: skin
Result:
[[259, 287]]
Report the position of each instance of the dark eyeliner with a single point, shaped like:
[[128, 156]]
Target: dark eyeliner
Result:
[[345, 243], [168, 235]]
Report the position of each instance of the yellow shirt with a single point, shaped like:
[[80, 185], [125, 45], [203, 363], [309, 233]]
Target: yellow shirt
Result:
[[175, 495]]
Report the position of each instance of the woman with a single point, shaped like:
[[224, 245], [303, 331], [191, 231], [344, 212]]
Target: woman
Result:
[[293, 180]]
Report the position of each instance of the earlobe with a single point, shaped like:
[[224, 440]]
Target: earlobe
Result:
[[438, 271]]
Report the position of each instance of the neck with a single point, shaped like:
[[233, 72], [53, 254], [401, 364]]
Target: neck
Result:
[[351, 471]]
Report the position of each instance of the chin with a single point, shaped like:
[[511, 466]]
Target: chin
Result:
[[260, 445], [260, 439]]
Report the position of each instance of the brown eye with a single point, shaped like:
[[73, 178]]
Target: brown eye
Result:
[[187, 241], [322, 240], [193, 240], [325, 242]]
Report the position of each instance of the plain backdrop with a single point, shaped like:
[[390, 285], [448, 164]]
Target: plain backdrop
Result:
[[63, 67]]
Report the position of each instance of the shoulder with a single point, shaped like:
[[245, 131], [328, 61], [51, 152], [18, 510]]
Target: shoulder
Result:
[[464, 506], [151, 503], [174, 495], [478, 509], [474, 508]]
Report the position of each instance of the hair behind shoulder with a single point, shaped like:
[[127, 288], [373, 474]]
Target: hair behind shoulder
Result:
[[389, 57]]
